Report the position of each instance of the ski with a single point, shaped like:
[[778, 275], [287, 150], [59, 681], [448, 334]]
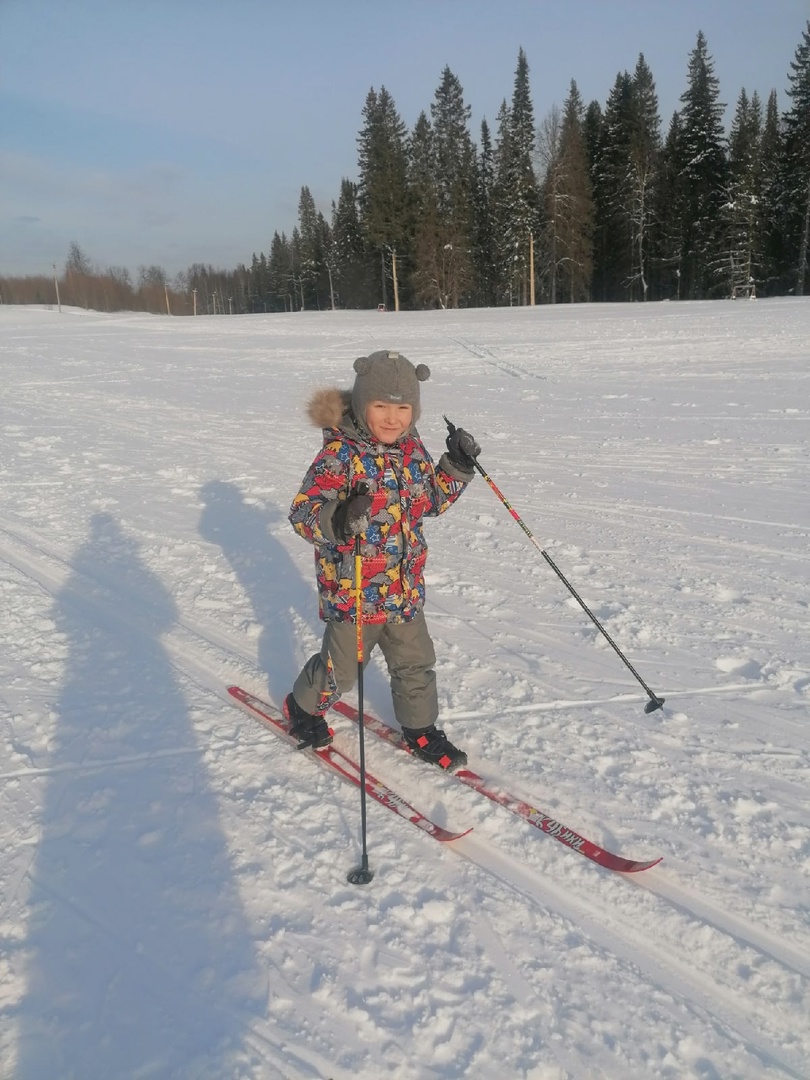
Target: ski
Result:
[[336, 761], [540, 820]]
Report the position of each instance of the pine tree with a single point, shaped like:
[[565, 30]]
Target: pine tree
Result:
[[797, 161], [704, 176]]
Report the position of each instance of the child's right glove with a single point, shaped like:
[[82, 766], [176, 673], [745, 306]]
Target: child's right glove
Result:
[[352, 517], [462, 449]]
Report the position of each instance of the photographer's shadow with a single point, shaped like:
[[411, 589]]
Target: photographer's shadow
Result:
[[140, 957]]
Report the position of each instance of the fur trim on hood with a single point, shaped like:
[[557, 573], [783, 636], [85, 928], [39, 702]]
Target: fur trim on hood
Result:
[[326, 407]]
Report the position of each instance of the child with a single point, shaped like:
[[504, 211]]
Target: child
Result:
[[374, 478]]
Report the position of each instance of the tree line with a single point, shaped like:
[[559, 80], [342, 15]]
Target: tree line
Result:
[[594, 203]]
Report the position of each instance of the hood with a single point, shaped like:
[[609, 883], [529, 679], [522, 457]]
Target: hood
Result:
[[332, 408]]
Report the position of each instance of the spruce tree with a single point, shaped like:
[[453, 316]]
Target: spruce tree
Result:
[[772, 238], [259, 285], [669, 210], [296, 277], [615, 248], [516, 186], [353, 270], [550, 171], [280, 274], [796, 182], [384, 200], [704, 175], [442, 179], [426, 260], [567, 248], [642, 176], [592, 131], [311, 253], [743, 204], [501, 210], [484, 245]]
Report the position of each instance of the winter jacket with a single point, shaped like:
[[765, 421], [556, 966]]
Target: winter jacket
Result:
[[405, 487]]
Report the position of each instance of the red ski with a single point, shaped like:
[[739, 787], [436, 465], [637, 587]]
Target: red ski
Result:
[[336, 761], [535, 817]]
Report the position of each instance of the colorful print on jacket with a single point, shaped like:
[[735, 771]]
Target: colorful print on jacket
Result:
[[405, 487]]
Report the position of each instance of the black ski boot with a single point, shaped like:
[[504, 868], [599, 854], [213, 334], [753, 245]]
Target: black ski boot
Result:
[[310, 729], [434, 746]]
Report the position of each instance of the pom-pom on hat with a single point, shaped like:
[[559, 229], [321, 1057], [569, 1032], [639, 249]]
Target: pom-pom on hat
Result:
[[387, 376]]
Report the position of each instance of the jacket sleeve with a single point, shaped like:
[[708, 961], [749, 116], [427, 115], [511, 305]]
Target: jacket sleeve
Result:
[[446, 483], [314, 506]]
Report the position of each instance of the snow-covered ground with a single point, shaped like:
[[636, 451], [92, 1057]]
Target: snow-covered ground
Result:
[[173, 894]]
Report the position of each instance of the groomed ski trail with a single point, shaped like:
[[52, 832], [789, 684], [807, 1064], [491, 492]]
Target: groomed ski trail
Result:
[[206, 656]]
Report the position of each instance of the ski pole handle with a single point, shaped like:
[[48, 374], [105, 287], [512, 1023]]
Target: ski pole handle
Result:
[[361, 488]]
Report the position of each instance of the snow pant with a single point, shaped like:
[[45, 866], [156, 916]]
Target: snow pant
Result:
[[409, 654]]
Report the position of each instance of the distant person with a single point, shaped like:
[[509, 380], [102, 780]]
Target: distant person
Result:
[[374, 478]]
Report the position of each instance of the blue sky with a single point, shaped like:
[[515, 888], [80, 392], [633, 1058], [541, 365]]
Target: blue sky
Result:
[[177, 131]]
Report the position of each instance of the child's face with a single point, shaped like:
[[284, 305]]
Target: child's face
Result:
[[386, 421]]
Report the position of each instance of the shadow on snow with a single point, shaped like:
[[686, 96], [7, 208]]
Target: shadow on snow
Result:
[[271, 580], [140, 959]]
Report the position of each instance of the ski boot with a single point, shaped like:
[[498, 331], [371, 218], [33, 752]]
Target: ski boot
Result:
[[310, 729], [432, 745]]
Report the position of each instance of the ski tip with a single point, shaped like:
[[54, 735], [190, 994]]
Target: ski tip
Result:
[[457, 836], [637, 867]]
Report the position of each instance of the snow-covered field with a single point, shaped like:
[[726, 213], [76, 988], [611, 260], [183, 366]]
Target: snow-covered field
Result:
[[173, 895]]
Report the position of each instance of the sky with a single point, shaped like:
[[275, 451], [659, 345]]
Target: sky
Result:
[[181, 131]]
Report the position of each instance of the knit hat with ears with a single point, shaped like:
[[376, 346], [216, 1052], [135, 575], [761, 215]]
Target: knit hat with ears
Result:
[[387, 376]]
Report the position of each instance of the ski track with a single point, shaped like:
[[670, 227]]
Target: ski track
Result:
[[198, 648]]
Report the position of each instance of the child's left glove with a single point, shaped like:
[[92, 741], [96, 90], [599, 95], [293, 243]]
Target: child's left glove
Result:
[[462, 449], [352, 517]]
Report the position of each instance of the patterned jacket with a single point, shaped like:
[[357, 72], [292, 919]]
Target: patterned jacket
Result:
[[405, 487]]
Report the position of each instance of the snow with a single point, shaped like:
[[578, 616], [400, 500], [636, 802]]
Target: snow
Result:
[[173, 894]]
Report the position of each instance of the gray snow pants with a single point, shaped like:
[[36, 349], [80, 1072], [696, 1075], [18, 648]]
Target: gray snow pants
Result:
[[409, 654]]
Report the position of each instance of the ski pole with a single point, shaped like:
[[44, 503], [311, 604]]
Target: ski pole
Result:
[[655, 702], [360, 875]]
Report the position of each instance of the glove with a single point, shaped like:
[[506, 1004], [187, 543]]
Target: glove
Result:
[[462, 448], [352, 517]]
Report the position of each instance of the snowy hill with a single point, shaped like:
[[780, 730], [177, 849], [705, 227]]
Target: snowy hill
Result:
[[173, 895]]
